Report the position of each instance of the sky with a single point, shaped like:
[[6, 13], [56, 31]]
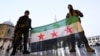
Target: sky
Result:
[[43, 12]]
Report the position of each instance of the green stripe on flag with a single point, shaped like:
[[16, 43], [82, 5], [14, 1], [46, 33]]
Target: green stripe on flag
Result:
[[71, 20], [55, 25], [49, 26]]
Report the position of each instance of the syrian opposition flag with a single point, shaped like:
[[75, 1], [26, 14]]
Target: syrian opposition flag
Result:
[[45, 37]]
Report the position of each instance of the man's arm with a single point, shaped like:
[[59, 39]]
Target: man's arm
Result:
[[79, 13], [30, 23], [67, 15], [19, 22]]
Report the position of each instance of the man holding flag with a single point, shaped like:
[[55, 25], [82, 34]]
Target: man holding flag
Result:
[[73, 20], [22, 29]]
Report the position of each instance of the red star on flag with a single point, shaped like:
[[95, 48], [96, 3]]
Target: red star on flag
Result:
[[41, 36], [68, 30], [54, 34]]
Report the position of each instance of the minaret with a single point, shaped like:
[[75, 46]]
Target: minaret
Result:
[[55, 19]]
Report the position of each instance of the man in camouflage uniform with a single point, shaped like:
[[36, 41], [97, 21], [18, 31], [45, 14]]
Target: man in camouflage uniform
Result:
[[22, 29]]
